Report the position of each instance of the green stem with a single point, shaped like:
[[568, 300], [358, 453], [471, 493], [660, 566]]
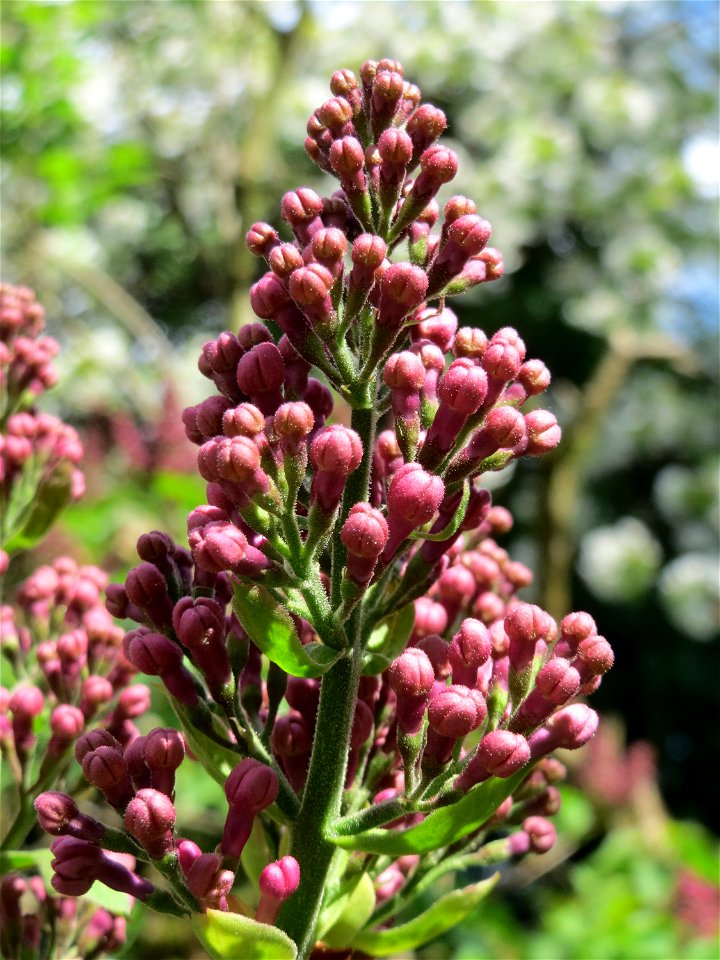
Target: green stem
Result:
[[322, 800]]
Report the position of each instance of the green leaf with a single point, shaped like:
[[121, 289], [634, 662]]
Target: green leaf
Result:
[[349, 913], [388, 640], [34, 518], [271, 629], [37, 861], [226, 935], [442, 916], [439, 828]]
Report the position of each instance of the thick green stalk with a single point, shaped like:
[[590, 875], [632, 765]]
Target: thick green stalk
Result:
[[321, 800]]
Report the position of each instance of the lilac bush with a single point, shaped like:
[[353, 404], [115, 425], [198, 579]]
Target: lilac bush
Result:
[[342, 639]]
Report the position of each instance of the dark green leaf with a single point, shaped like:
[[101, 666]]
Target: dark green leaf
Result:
[[442, 916], [271, 629], [388, 640], [439, 828]]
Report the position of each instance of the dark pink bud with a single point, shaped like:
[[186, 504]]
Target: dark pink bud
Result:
[[534, 377], [207, 881], [261, 371], [309, 286], [543, 432], [292, 423], [261, 238], [364, 534], [414, 495], [395, 147], [66, 722], [570, 728], [402, 288], [503, 753], [150, 817], [252, 785], [146, 588], [368, 251], [277, 882], [268, 296], [541, 832], [134, 701], [58, 814], [329, 245], [456, 710], [470, 648], [575, 627], [96, 691], [501, 361], [437, 326], [26, 702], [412, 674], [596, 655], [244, 420], [558, 681], [152, 653], [300, 206], [463, 387], [470, 342], [526, 624], [92, 740], [337, 450], [502, 429], [430, 618], [163, 752], [425, 126], [458, 206], [404, 371], [284, 259], [106, 769]]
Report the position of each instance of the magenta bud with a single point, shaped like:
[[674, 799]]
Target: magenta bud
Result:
[[58, 814], [252, 785], [404, 371], [66, 722], [596, 655], [149, 817], [106, 769], [364, 535], [526, 624], [207, 881], [542, 834], [284, 259], [557, 681], [412, 674], [543, 432], [26, 702], [402, 288], [277, 882], [463, 387], [310, 285], [346, 157], [470, 342], [425, 125], [188, 852], [395, 147], [534, 377], [501, 361], [575, 627], [261, 238], [300, 206], [368, 251], [414, 495], [292, 423], [570, 728], [146, 588], [456, 710], [430, 618], [134, 701], [470, 648], [261, 371], [503, 753], [438, 652], [163, 752]]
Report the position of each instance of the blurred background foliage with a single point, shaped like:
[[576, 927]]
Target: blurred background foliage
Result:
[[140, 141]]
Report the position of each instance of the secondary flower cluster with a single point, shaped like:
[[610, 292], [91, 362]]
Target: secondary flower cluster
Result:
[[63, 647], [34, 924], [38, 452]]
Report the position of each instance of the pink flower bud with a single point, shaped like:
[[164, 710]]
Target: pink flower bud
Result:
[[300, 206], [543, 431], [150, 818], [414, 495], [364, 535], [106, 769], [570, 728], [456, 710], [92, 740], [574, 628], [395, 147], [412, 674], [541, 832], [250, 787], [66, 722], [368, 251], [499, 754], [402, 288], [260, 375], [558, 681], [501, 361], [336, 449], [534, 377], [596, 655], [430, 618], [207, 881], [58, 814], [277, 882], [261, 238], [457, 207], [526, 624], [424, 126], [163, 752], [404, 371], [470, 648], [437, 326], [346, 157]]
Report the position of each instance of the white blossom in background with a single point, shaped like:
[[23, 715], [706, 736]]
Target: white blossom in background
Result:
[[619, 562]]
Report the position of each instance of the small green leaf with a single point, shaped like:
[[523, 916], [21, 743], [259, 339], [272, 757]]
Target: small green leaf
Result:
[[34, 519], [226, 935], [442, 916], [271, 629], [441, 827], [388, 639], [349, 913]]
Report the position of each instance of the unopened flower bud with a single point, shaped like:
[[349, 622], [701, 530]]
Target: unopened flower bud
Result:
[[456, 710], [543, 432], [364, 535], [277, 882], [150, 818], [542, 834]]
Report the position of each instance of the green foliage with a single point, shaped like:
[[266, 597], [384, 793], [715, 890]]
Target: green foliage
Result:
[[232, 935], [271, 629]]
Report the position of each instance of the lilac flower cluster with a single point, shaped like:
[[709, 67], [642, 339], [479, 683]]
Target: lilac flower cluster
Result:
[[38, 452], [342, 641]]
